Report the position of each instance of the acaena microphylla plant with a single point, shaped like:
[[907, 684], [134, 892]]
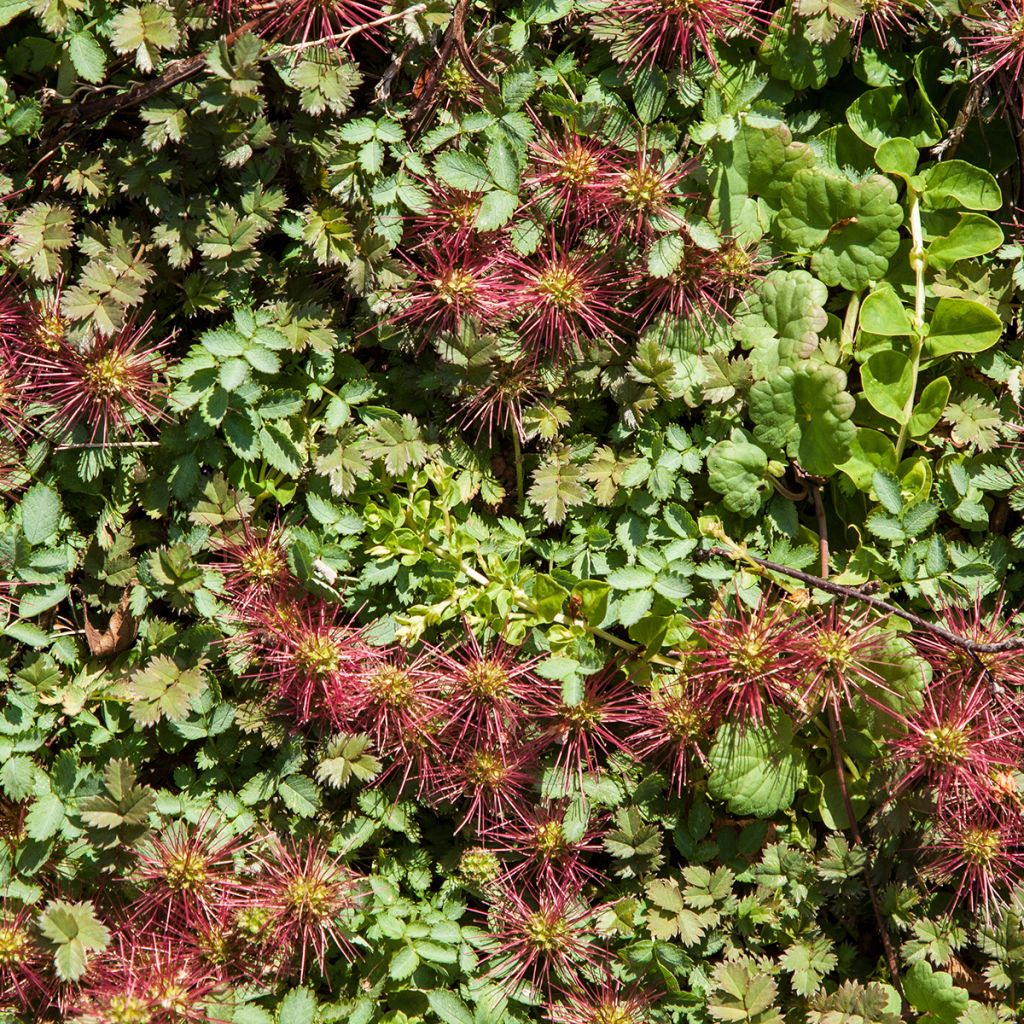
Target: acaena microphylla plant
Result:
[[611, 1002], [18, 324], [673, 33], [451, 284], [888, 20], [977, 852], [693, 292], [25, 986], [481, 692], [958, 742], [307, 895], [446, 219], [646, 192], [254, 563], [107, 386], [299, 21], [544, 936], [187, 872], [582, 732], [544, 846], [496, 406], [310, 655], [671, 725], [491, 781], [997, 39], [566, 297], [749, 661], [146, 978]]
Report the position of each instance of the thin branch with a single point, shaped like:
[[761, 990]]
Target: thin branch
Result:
[[819, 512], [861, 594], [435, 69]]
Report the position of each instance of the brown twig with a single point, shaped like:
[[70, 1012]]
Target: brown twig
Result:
[[860, 594], [435, 69], [819, 512]]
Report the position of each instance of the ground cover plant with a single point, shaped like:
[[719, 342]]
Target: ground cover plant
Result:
[[511, 511]]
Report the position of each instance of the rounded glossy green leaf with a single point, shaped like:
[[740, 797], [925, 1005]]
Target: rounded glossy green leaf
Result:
[[897, 156], [958, 183], [960, 325], [738, 470], [871, 451], [930, 406], [888, 382], [974, 235], [883, 313]]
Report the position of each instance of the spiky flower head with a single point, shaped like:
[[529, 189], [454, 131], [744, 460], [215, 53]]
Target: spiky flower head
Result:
[[546, 845], [583, 731], [497, 404], [978, 853], [544, 936], [749, 660], [566, 298], [311, 656], [17, 326], [108, 386], [308, 894], [24, 985], [482, 691], [479, 866], [671, 725], [958, 742], [299, 21], [254, 563], [611, 1002], [447, 219], [997, 38], [450, 285], [673, 33], [647, 196], [694, 291], [887, 18], [188, 874]]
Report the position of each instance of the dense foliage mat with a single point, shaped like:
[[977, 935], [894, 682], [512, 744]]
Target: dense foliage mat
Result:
[[511, 511]]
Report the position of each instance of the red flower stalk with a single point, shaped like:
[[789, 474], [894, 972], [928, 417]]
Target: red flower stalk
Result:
[[546, 937], [958, 743], [583, 733], [678, 31], [610, 1003], [105, 387], [840, 654], [645, 194], [311, 656], [565, 298], [17, 327], [308, 894], [24, 987], [254, 564], [749, 661], [448, 220], [998, 42], [493, 780], [300, 21], [884, 17], [452, 284], [572, 173], [549, 850], [672, 723], [149, 979], [482, 693], [981, 852], [189, 874], [498, 403], [979, 626]]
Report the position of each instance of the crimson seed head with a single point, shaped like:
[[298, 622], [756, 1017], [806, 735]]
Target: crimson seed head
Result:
[[583, 733], [958, 742], [887, 17], [188, 873], [311, 656], [24, 986], [306, 894], [610, 1003], [451, 284], [18, 325], [548, 848], [998, 40], [254, 564], [678, 31], [671, 725], [448, 219], [299, 21], [646, 192], [105, 387], [498, 403], [481, 692], [749, 661], [545, 937], [565, 299], [694, 291], [978, 852]]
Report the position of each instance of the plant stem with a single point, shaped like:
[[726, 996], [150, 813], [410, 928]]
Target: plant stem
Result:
[[344, 37], [517, 452], [819, 512], [917, 263], [850, 323]]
